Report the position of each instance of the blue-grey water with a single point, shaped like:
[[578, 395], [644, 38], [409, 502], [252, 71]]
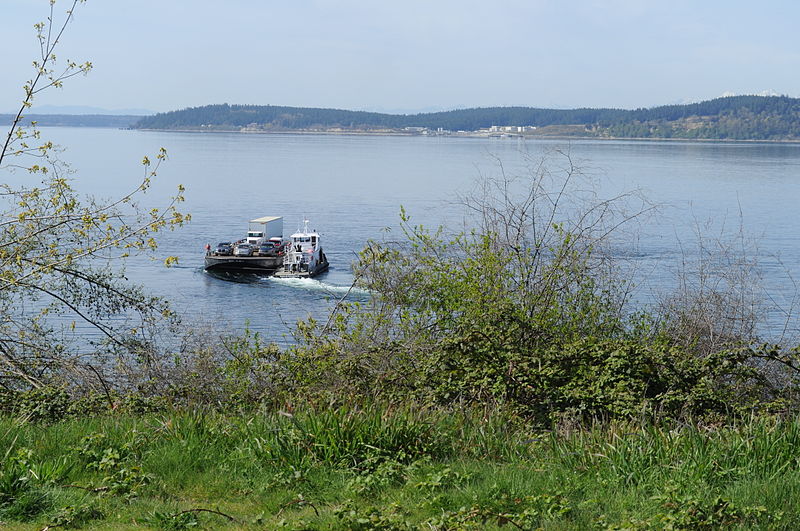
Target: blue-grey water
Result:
[[352, 187]]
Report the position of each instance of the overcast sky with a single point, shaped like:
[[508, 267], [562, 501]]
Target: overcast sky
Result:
[[409, 55]]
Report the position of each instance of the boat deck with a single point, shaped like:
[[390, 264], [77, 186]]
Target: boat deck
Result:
[[321, 268]]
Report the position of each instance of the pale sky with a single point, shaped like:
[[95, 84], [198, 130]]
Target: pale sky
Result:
[[409, 55]]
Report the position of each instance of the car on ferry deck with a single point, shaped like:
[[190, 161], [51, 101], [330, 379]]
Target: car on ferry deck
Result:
[[243, 249], [269, 249], [223, 249]]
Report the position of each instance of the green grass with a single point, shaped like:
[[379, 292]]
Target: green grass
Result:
[[380, 468]]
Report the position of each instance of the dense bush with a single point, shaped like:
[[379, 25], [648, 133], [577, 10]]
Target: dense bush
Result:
[[526, 309]]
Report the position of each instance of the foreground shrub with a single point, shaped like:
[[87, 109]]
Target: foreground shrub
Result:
[[527, 309]]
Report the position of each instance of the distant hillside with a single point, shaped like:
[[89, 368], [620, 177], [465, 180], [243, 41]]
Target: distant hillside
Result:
[[75, 120], [86, 109], [735, 117]]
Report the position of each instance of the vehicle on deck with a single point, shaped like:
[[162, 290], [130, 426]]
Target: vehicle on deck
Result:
[[243, 249], [268, 249], [223, 249]]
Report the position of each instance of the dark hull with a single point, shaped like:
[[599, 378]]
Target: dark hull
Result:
[[243, 264]]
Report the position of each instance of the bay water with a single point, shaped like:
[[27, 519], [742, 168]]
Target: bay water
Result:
[[351, 188]]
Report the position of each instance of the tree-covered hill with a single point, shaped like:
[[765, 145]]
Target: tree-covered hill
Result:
[[301, 118], [735, 117]]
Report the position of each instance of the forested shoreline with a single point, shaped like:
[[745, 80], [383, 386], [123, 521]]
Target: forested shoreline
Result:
[[755, 118], [727, 118]]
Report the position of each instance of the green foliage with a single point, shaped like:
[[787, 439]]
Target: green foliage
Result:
[[76, 516], [440, 478], [121, 477], [15, 477], [206, 471], [522, 512], [234, 372], [59, 250], [27, 505], [355, 518], [45, 404], [682, 511], [690, 512], [356, 438], [54, 403], [385, 473], [734, 118], [174, 521], [22, 495], [534, 321]]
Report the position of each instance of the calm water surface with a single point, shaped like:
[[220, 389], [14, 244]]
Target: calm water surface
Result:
[[352, 187]]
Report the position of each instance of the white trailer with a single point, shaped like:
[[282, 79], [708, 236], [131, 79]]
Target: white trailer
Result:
[[262, 229]]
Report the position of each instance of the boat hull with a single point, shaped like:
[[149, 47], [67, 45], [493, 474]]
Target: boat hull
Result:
[[243, 264]]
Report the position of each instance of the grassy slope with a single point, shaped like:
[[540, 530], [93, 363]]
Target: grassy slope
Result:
[[384, 470]]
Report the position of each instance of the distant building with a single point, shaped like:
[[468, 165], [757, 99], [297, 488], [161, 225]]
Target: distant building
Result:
[[510, 128]]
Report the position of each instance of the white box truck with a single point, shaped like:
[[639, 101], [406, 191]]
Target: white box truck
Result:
[[262, 229]]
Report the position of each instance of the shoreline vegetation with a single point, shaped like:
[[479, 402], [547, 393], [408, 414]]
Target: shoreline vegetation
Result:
[[732, 118], [727, 118]]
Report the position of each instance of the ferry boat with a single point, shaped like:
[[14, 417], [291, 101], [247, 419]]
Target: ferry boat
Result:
[[303, 257]]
